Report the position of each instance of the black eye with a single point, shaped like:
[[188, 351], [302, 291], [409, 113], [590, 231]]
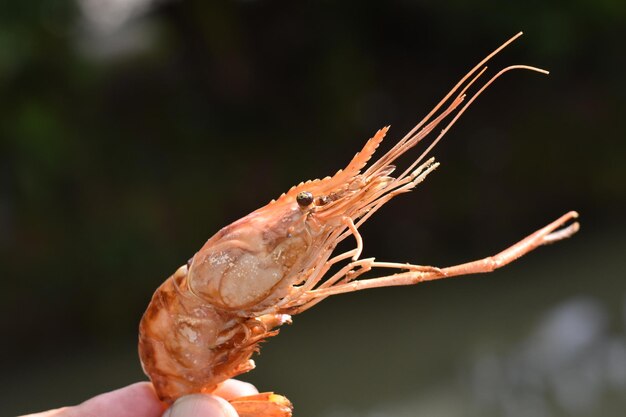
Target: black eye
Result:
[[304, 199]]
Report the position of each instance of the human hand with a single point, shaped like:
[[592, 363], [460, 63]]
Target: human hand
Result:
[[140, 400]]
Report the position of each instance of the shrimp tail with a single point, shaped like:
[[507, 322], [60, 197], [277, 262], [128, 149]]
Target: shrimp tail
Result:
[[265, 404]]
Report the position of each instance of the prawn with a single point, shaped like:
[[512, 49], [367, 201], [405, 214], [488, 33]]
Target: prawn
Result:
[[205, 321]]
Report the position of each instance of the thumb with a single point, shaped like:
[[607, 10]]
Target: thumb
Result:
[[201, 405]]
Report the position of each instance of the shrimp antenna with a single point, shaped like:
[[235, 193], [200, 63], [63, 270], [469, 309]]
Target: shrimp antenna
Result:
[[418, 132], [428, 128], [467, 104], [462, 81]]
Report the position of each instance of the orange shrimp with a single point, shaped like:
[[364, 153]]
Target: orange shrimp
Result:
[[205, 321]]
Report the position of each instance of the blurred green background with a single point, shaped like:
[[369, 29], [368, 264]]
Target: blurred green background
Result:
[[132, 130]]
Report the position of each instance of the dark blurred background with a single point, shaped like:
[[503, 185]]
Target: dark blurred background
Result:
[[132, 130]]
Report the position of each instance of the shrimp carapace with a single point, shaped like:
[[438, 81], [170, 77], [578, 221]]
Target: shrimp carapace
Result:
[[206, 320]]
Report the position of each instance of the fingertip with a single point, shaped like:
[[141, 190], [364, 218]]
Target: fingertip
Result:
[[201, 405], [234, 388]]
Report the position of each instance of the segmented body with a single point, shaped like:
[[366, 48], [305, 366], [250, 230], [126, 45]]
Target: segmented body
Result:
[[205, 322], [189, 346]]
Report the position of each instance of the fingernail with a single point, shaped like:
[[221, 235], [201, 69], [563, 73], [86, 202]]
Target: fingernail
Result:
[[200, 405]]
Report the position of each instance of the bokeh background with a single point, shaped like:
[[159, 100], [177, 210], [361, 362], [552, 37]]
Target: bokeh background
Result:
[[132, 130]]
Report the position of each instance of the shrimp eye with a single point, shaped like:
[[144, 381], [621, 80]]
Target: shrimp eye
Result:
[[304, 199]]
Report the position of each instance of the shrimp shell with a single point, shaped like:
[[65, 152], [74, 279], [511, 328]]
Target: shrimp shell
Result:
[[206, 321]]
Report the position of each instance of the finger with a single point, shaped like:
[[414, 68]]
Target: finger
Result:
[[201, 405], [233, 388], [58, 412], [136, 400]]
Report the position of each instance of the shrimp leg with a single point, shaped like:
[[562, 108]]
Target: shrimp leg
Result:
[[548, 234], [347, 274]]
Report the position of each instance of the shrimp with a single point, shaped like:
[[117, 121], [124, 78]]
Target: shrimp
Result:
[[206, 320]]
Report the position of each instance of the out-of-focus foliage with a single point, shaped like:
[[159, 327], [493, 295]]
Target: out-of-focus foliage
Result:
[[128, 136]]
